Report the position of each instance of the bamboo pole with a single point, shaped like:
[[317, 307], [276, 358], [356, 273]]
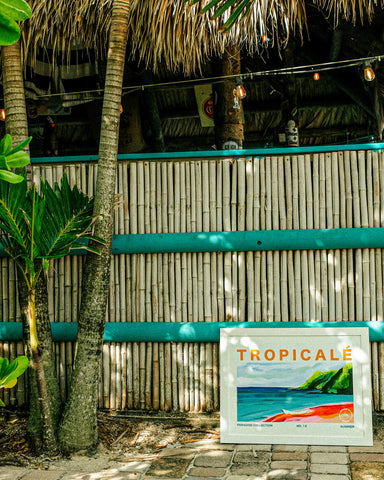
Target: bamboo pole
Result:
[[283, 255], [213, 168], [249, 255], [183, 355], [289, 216], [200, 286], [207, 288], [194, 353], [178, 288], [309, 223], [323, 253], [227, 255], [349, 224], [263, 262], [372, 207], [297, 254], [190, 348], [221, 312], [135, 266], [379, 220], [148, 287], [268, 225], [256, 226], [355, 172], [343, 224], [241, 226]]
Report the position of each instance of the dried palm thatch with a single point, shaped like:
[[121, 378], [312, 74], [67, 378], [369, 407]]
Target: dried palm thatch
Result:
[[172, 32]]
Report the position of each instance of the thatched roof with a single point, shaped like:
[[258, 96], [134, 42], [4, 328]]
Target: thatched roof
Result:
[[174, 33]]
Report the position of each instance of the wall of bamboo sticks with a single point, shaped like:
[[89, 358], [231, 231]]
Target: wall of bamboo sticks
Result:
[[330, 190]]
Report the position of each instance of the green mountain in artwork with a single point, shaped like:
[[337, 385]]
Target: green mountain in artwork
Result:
[[331, 381]]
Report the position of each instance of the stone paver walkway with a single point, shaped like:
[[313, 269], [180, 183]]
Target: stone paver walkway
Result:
[[209, 460]]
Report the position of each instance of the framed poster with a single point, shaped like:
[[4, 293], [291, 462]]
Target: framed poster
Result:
[[295, 386]]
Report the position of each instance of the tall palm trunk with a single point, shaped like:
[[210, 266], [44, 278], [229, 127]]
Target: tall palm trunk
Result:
[[80, 410], [39, 424], [14, 99]]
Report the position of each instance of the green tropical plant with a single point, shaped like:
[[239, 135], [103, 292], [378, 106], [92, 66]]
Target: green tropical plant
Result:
[[11, 158], [42, 227], [11, 12], [37, 228], [9, 372], [219, 7]]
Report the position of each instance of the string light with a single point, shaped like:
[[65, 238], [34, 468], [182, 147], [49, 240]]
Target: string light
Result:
[[240, 92], [265, 38], [369, 74], [2, 114], [302, 69], [316, 76]]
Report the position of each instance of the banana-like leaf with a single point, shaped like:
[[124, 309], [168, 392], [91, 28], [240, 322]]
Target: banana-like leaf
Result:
[[12, 158], [9, 372], [11, 12], [5, 144], [10, 177], [9, 31], [20, 146], [17, 160], [17, 10]]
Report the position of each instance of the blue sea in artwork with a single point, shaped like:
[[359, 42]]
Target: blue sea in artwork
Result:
[[255, 404]]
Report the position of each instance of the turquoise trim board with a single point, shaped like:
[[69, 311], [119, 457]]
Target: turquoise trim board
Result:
[[256, 152], [176, 332], [245, 241]]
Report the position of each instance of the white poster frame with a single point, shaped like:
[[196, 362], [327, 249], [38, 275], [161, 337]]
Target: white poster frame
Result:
[[348, 426]]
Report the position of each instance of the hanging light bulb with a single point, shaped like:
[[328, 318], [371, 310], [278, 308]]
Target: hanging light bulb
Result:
[[240, 92], [369, 74], [316, 76]]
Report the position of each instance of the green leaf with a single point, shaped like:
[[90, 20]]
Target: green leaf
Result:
[[237, 12], [18, 160], [223, 8], [3, 163], [6, 144], [9, 372], [210, 5], [20, 146], [17, 10], [9, 30], [10, 177]]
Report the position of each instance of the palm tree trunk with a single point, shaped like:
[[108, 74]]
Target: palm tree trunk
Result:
[[80, 410], [14, 97], [49, 442], [17, 126]]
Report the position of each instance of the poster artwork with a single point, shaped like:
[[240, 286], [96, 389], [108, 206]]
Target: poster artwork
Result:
[[296, 386], [204, 100]]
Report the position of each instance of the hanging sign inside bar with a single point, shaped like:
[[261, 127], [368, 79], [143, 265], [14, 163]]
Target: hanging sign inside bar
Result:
[[295, 386]]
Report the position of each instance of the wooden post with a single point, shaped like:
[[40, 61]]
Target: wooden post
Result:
[[229, 130]]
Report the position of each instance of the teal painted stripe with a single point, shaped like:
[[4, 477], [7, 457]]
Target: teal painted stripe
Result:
[[255, 240], [254, 152], [177, 332], [245, 241]]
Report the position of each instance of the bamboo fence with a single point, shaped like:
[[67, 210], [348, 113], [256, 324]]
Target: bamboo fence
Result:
[[322, 190]]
